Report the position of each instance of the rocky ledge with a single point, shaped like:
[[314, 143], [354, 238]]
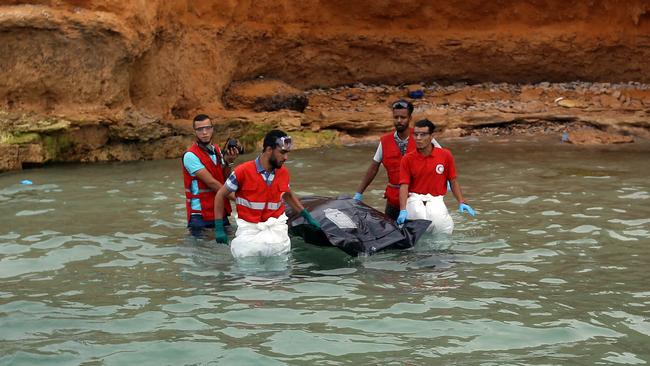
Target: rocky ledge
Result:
[[577, 112]]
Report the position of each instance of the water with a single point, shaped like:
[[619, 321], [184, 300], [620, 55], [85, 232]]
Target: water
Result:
[[96, 269]]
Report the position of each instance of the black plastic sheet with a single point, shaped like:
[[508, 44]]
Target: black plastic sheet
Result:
[[353, 226]]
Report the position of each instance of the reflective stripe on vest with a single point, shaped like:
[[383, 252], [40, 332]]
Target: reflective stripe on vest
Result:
[[258, 205]]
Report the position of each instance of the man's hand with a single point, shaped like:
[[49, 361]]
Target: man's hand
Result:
[[310, 219], [357, 196], [230, 155], [465, 207], [220, 233], [402, 217]]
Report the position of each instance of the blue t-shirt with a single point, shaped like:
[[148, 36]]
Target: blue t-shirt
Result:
[[192, 164]]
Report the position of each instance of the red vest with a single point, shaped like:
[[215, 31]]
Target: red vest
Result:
[[257, 201], [205, 194], [392, 158]]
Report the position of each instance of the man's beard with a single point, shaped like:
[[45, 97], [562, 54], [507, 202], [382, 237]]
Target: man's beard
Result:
[[275, 164], [401, 128], [423, 148], [206, 146]]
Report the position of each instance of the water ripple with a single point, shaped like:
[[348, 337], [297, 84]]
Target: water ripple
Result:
[[105, 274]]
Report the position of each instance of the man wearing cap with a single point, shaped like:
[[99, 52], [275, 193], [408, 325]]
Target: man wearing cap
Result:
[[392, 146], [424, 174], [261, 187], [205, 169]]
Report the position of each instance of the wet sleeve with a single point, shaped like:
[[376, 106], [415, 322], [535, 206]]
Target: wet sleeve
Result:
[[404, 171], [451, 168], [232, 184], [378, 154], [192, 163]]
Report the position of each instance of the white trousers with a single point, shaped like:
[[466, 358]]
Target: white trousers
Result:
[[265, 239], [428, 207]]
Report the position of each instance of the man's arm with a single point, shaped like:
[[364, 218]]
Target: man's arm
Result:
[[455, 189], [405, 181], [226, 190], [462, 205], [295, 204], [451, 178], [194, 166], [371, 173], [207, 178], [293, 201], [403, 195], [222, 193], [220, 235]]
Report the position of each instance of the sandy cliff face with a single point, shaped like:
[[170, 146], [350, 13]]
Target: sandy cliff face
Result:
[[172, 57], [102, 61]]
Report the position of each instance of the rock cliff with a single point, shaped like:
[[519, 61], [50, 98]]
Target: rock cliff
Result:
[[103, 65]]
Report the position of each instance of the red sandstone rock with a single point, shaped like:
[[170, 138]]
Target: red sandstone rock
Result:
[[609, 101], [32, 153], [170, 58], [130, 68], [264, 96], [9, 158]]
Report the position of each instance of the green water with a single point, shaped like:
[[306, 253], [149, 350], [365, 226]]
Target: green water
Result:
[[96, 269]]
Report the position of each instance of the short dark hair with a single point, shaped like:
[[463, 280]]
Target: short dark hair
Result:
[[425, 123], [271, 137], [199, 118], [403, 104]]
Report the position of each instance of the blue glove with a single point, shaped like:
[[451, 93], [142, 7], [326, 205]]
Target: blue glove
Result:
[[402, 217], [448, 186], [310, 219], [220, 233], [357, 196], [465, 207]]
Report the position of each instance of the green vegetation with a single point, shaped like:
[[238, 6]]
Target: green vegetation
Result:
[[307, 139], [55, 144], [252, 137], [18, 138]]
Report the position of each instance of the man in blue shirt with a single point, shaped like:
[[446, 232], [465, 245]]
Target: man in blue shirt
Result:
[[204, 172]]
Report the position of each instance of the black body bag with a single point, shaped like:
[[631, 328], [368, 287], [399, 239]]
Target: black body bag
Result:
[[353, 226]]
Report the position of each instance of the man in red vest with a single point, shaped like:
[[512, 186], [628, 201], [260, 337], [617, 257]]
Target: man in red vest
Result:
[[392, 146], [261, 187], [204, 171]]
